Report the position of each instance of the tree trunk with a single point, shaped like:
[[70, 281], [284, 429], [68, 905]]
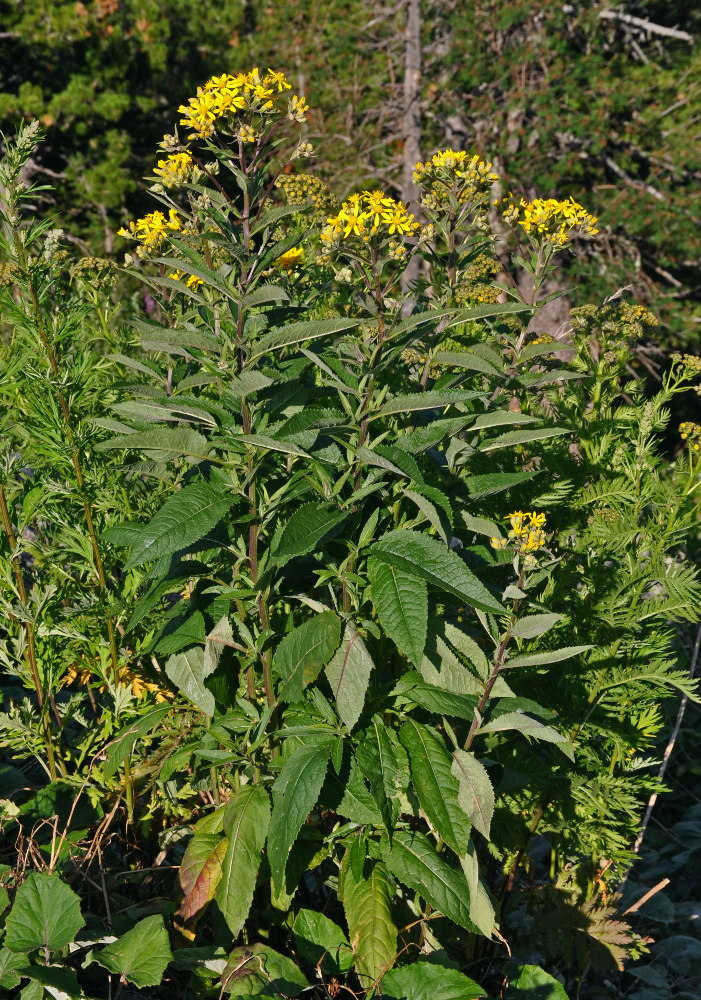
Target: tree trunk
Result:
[[411, 123]]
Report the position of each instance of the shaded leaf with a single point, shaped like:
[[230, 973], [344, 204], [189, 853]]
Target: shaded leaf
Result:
[[141, 955], [302, 654], [321, 941], [529, 727], [305, 529], [426, 981], [373, 935], [348, 673], [401, 602], [246, 820], [258, 970], [186, 671], [476, 794]]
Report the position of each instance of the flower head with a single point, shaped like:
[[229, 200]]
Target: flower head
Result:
[[551, 221]]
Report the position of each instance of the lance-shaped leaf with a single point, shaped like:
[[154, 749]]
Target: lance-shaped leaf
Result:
[[185, 518], [349, 673], [383, 761], [246, 820], [304, 652], [481, 908], [428, 559], [162, 443], [295, 793], [548, 656], [415, 862], [435, 784], [371, 929], [529, 727], [426, 981], [298, 333], [531, 626], [200, 872], [476, 794], [358, 805], [305, 529], [141, 955], [186, 671], [46, 914], [401, 601]]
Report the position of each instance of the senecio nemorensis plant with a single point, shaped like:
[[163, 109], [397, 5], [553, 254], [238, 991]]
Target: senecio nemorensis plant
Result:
[[403, 582]]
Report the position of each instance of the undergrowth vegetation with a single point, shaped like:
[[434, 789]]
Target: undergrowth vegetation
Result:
[[338, 611]]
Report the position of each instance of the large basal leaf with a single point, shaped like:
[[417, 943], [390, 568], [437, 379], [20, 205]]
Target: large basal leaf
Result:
[[295, 793], [186, 517], [141, 955], [476, 794], [532, 981], [200, 872], [349, 673], [425, 981], [371, 929], [186, 671], [435, 784], [529, 727], [258, 970], [304, 652], [59, 981], [246, 821], [401, 601], [46, 914], [415, 862], [428, 559], [322, 942], [383, 761], [305, 529]]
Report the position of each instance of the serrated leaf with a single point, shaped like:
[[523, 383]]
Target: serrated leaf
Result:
[[437, 700], [220, 636], [437, 519], [371, 929], [60, 982], [246, 821], [298, 333], [322, 942], [200, 872], [428, 559], [415, 862], [162, 443], [295, 793], [305, 529], [264, 294], [476, 794], [270, 444], [10, 962], [45, 914], [529, 727], [524, 437], [548, 656], [186, 517], [426, 981], [383, 761], [305, 651], [481, 909], [348, 673], [435, 783], [532, 981], [357, 804], [414, 401], [141, 955], [531, 626], [186, 671], [495, 482], [401, 602], [465, 359]]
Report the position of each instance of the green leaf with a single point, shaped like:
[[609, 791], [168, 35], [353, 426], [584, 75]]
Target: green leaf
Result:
[[186, 671], [141, 955], [357, 804], [495, 482], [548, 656], [298, 333], [435, 699], [371, 929], [465, 359], [531, 626], [481, 909], [401, 602], [186, 517], [533, 982], [46, 914], [321, 942], [59, 980], [246, 820], [524, 437], [200, 872], [162, 443], [436, 518], [348, 674], [436, 786], [415, 862], [425, 981], [476, 794], [260, 971], [10, 961], [414, 401], [430, 560], [304, 651], [295, 793], [265, 293], [123, 743], [383, 761], [489, 309], [529, 727], [305, 529]]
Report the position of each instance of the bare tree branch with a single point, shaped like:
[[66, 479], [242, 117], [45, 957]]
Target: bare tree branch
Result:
[[641, 22]]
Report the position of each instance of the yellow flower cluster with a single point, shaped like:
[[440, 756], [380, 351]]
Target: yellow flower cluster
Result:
[[554, 221], [300, 189], [690, 361], [127, 678], [192, 280], [151, 230], [691, 432], [175, 170], [526, 532], [289, 259], [466, 176], [223, 97], [544, 338], [366, 214]]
